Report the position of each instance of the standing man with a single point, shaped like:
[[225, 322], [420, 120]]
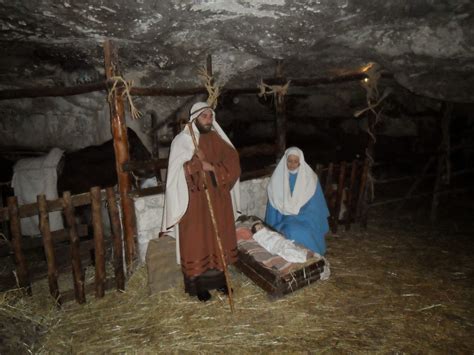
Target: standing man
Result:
[[186, 209]]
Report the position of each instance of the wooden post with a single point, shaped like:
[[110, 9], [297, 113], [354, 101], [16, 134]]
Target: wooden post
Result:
[[15, 230], [329, 194], [340, 192], [48, 246], [116, 238], [362, 198], [77, 273], [318, 169], [98, 241], [328, 182], [443, 162], [351, 194], [280, 116], [119, 133]]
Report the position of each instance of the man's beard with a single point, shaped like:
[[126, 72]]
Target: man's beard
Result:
[[203, 129]]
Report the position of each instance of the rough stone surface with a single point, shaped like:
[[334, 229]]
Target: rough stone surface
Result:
[[427, 44]]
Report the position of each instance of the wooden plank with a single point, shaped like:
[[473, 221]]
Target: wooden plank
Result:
[[149, 191], [116, 238], [77, 272], [255, 276], [15, 230], [48, 248], [99, 251]]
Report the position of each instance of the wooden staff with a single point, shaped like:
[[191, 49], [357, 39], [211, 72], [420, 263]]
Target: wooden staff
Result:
[[214, 224]]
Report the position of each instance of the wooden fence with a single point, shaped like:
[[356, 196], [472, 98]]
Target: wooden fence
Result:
[[345, 187], [73, 232]]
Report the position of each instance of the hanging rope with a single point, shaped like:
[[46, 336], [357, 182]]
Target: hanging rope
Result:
[[127, 86], [213, 90], [278, 91]]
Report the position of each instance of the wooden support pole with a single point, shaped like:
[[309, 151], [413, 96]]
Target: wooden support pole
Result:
[[362, 197], [328, 182], [350, 194], [444, 164], [116, 238], [119, 133], [328, 192], [98, 241], [77, 272], [15, 230], [48, 246], [340, 193]]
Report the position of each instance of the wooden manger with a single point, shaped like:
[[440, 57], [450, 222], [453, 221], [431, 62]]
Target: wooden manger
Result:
[[275, 283]]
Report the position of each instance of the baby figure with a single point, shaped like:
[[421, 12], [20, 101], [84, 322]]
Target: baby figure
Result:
[[277, 244]]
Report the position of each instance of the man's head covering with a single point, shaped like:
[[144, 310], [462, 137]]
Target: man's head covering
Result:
[[198, 108], [279, 193]]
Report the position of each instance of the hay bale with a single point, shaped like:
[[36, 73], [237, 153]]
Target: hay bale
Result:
[[163, 272]]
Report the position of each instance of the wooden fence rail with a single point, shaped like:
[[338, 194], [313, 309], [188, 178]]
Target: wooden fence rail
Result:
[[67, 204]]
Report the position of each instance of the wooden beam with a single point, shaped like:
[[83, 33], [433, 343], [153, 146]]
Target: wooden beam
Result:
[[59, 91], [119, 134], [31, 209]]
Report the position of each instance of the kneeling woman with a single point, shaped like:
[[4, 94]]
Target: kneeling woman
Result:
[[296, 205]]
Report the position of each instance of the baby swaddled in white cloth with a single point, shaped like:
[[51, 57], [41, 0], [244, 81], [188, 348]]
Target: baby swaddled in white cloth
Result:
[[277, 244]]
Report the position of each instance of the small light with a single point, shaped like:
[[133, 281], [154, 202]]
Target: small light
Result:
[[366, 80]]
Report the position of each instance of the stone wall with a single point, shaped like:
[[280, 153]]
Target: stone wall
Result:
[[149, 210]]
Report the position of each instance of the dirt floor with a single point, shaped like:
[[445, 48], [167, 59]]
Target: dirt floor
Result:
[[399, 286]]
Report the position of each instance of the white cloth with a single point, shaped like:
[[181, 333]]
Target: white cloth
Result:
[[176, 195], [36, 176], [275, 243], [279, 193]]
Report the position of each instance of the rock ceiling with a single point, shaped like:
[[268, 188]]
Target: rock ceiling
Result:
[[428, 45]]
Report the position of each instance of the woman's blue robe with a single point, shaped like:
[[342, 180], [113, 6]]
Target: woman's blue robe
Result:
[[309, 226]]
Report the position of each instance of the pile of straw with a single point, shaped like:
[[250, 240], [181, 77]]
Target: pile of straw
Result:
[[392, 289]]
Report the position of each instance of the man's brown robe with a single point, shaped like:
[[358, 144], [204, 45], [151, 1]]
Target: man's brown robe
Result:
[[198, 247]]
